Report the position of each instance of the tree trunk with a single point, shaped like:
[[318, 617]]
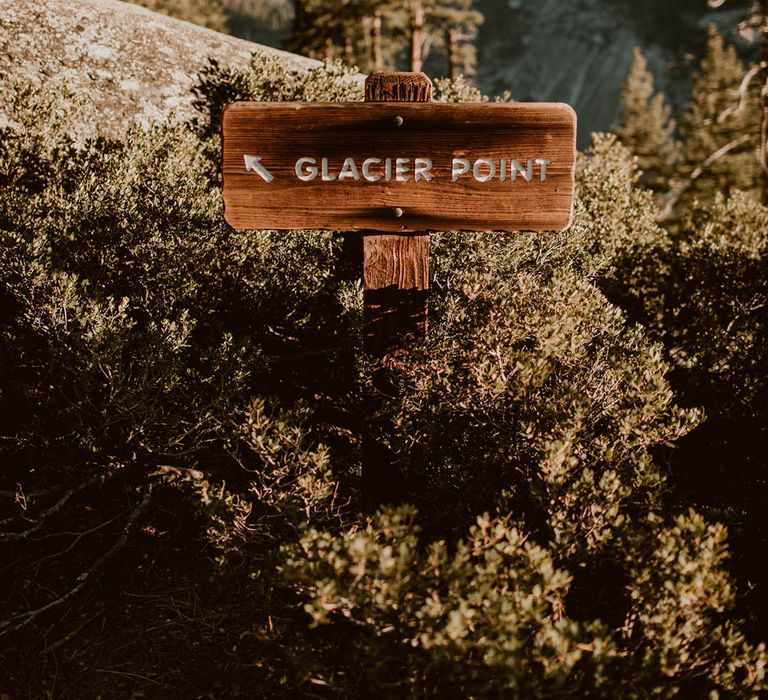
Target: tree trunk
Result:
[[349, 51], [452, 49], [367, 23], [378, 56], [417, 35]]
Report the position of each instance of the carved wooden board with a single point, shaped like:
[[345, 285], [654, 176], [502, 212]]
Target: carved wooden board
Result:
[[399, 167]]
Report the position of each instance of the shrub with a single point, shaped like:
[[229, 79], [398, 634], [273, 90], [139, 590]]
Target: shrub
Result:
[[268, 80], [702, 293], [482, 619], [154, 312], [147, 346], [490, 615], [534, 387]]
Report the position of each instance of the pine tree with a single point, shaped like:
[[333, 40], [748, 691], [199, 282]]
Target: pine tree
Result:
[[318, 29], [458, 21], [367, 33], [720, 134], [647, 128], [450, 25], [756, 27], [380, 35]]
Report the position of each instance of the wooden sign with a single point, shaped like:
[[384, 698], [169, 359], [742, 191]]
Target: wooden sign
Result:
[[396, 167], [399, 166]]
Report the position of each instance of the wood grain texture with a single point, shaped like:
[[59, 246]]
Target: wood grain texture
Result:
[[398, 86], [282, 133], [395, 294], [395, 306], [395, 266], [408, 267]]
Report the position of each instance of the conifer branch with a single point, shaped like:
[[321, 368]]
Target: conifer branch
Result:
[[743, 93], [672, 197]]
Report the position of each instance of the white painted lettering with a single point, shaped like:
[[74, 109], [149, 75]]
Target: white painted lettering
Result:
[[527, 173], [421, 169], [324, 174], [477, 167], [543, 164], [401, 169], [459, 167], [367, 163], [349, 170], [305, 169]]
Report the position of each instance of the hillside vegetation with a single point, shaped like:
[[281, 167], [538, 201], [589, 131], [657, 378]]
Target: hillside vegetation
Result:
[[181, 408]]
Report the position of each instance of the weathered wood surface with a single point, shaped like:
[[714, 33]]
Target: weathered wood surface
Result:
[[395, 305], [396, 284], [395, 266], [280, 134], [398, 86]]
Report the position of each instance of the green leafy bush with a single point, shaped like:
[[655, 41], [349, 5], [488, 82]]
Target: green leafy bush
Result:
[[483, 618], [532, 386], [490, 615], [702, 293], [268, 80], [146, 344]]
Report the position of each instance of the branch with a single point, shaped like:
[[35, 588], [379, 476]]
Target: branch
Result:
[[74, 542], [21, 621], [672, 197], [743, 93], [19, 492], [53, 509]]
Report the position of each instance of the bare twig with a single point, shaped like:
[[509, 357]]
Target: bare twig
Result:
[[672, 197], [743, 94], [21, 621], [132, 676], [53, 509], [71, 634], [74, 542]]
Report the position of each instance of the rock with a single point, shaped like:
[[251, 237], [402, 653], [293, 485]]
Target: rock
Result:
[[129, 63]]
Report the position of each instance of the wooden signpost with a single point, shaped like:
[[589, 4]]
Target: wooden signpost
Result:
[[396, 167]]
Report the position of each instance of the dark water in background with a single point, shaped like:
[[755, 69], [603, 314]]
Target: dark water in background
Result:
[[575, 51]]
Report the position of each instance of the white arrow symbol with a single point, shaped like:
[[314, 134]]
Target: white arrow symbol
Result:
[[254, 163]]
